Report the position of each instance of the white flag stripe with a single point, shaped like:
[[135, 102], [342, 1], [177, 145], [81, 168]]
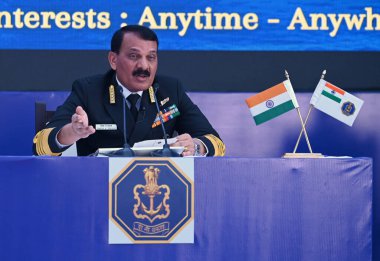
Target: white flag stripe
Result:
[[336, 94], [261, 107], [317, 92], [290, 90]]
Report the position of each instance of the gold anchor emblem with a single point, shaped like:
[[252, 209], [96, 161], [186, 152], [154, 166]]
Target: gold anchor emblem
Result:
[[151, 190], [349, 107]]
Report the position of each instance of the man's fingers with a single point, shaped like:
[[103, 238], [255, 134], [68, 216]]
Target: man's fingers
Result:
[[76, 118], [80, 116], [79, 110], [185, 141], [91, 129], [82, 131], [183, 137], [187, 153]]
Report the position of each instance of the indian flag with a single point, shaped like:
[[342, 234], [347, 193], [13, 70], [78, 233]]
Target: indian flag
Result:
[[328, 90], [272, 102], [336, 102]]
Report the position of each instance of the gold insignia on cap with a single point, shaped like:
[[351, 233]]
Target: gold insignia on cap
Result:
[[112, 94], [151, 94]]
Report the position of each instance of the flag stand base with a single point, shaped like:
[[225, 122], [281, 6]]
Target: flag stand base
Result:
[[302, 155]]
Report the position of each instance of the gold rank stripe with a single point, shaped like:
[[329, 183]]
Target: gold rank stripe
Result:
[[42, 145], [219, 147], [36, 141]]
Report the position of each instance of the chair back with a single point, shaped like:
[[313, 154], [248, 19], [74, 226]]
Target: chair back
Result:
[[41, 116]]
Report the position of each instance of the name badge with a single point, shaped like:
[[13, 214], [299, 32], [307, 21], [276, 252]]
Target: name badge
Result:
[[105, 127]]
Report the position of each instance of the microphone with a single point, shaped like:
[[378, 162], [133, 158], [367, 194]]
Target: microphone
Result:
[[165, 151], [126, 151]]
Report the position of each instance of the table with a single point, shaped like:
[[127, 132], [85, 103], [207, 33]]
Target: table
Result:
[[56, 208]]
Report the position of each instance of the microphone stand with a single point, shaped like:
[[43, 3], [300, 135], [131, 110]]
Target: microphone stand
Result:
[[165, 151], [126, 151]]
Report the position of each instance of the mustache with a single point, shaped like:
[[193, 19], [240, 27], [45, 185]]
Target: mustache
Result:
[[142, 72]]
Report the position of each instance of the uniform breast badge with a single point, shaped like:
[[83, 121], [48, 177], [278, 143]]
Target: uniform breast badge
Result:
[[166, 114], [164, 101]]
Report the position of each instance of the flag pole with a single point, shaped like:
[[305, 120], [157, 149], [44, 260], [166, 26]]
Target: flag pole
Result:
[[307, 118], [302, 123], [300, 135]]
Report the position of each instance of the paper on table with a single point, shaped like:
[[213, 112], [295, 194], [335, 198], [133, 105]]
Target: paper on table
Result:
[[153, 143], [144, 148]]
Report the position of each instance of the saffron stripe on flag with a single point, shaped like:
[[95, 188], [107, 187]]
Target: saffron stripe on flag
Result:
[[262, 107], [333, 87], [274, 112], [265, 95], [330, 96]]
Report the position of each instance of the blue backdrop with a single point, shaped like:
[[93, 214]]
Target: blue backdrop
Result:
[[194, 25]]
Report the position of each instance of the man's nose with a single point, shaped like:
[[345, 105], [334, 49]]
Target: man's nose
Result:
[[143, 63]]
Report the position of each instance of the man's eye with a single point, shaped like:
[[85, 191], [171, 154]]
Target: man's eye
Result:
[[133, 56], [151, 57]]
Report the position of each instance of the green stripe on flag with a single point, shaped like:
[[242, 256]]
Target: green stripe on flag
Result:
[[274, 112], [332, 97]]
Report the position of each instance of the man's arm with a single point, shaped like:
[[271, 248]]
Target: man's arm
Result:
[[78, 128], [60, 131]]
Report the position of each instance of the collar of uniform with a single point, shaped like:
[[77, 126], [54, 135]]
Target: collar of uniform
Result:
[[127, 92]]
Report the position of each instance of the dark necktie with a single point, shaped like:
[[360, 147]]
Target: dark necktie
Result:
[[133, 98]]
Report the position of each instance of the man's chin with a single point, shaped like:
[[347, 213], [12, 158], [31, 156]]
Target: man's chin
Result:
[[140, 87]]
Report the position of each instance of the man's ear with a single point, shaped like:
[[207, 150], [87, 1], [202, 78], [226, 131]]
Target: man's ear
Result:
[[112, 59]]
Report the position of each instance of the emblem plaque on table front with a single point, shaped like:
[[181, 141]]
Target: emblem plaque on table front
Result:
[[151, 200]]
